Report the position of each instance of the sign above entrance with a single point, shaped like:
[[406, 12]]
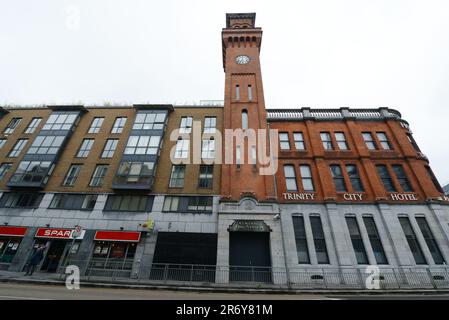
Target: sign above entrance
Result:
[[126, 236], [13, 231], [58, 233], [249, 226]]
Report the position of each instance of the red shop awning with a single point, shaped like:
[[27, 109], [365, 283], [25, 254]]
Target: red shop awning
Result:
[[13, 231], [125, 236]]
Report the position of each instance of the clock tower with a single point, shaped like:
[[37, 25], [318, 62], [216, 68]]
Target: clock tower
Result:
[[244, 108]]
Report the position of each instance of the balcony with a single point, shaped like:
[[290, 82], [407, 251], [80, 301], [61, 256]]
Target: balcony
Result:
[[28, 180], [136, 182]]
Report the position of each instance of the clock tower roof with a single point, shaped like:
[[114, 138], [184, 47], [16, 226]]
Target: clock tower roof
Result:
[[240, 20]]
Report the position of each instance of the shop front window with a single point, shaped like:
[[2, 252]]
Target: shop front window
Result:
[[113, 255], [8, 249]]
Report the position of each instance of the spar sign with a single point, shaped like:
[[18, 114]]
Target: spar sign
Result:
[[56, 233]]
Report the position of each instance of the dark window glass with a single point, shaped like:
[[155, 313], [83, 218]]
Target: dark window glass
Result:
[[73, 201], [402, 178], [339, 180], [72, 175], [354, 177], [374, 239], [386, 178], [202, 204], [177, 176], [31, 171], [430, 240], [134, 172], [128, 203], [98, 176], [319, 240], [412, 241], [434, 179], [206, 176], [4, 168], [413, 142], [301, 239], [20, 200], [356, 239]]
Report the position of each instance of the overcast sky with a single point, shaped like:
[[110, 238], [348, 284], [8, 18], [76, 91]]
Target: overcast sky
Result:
[[314, 53]]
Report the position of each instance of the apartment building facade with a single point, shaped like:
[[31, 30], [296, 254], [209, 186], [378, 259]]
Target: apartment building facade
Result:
[[154, 186]]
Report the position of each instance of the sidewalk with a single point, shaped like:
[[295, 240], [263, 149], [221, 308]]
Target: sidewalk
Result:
[[55, 279]]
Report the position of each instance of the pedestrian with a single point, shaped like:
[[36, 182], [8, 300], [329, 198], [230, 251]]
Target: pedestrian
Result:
[[37, 256]]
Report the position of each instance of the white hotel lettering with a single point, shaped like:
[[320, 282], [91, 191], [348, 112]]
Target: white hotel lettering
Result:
[[403, 197]]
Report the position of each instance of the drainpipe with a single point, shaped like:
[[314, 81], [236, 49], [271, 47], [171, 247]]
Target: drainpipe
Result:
[[280, 213]]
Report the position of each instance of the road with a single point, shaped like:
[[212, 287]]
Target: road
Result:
[[14, 291]]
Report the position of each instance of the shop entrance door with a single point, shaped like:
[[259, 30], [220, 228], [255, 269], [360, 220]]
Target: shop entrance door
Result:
[[54, 255], [249, 256]]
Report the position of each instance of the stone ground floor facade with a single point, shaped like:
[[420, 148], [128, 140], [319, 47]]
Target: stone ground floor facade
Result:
[[248, 241]]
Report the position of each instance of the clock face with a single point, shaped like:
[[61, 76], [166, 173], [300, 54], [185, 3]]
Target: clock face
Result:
[[242, 59]]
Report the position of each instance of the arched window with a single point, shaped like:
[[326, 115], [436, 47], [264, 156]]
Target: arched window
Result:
[[244, 119]]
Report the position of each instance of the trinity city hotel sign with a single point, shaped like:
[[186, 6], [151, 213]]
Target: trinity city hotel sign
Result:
[[349, 196]]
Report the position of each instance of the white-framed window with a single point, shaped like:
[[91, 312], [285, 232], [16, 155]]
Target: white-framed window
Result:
[[12, 125], [119, 124], [109, 148], [326, 140], [96, 124], [98, 176], [210, 124], [60, 121], [177, 176], [182, 149], [149, 121], [298, 138], [142, 145], [284, 142], [85, 147], [186, 125], [369, 140], [306, 177], [383, 139], [250, 92], [32, 126], [341, 141], [72, 175], [290, 178], [17, 149], [208, 149], [46, 145]]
